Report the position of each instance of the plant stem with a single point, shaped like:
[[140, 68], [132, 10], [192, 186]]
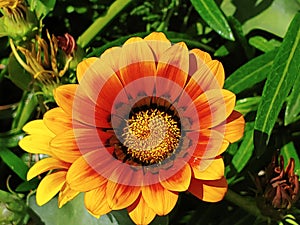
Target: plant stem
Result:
[[101, 22], [244, 202]]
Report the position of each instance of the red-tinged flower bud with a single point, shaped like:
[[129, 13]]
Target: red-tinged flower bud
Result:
[[67, 43]]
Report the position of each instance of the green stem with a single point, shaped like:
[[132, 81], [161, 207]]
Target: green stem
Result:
[[101, 22], [244, 203]]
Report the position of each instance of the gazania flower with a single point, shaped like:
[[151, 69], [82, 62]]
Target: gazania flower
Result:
[[146, 121]]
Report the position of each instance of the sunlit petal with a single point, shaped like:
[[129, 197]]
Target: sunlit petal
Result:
[[50, 186]]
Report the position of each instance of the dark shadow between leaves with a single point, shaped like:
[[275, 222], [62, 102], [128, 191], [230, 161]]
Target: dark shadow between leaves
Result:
[[261, 140]]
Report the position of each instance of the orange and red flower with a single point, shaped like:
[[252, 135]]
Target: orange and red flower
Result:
[[146, 121]]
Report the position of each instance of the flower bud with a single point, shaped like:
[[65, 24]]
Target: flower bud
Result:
[[67, 43], [279, 187], [19, 23], [12, 209]]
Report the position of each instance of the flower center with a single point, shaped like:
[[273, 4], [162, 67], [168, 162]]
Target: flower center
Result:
[[151, 136]]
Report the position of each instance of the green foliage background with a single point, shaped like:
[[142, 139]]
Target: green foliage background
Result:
[[258, 42]]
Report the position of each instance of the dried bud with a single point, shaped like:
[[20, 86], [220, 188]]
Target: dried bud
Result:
[[279, 187], [67, 43]]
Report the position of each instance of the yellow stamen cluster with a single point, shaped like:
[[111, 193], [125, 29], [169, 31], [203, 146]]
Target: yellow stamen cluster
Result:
[[9, 3], [151, 136]]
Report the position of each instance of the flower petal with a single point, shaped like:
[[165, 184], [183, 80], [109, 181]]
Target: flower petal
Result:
[[101, 85], [173, 65], [136, 62], [206, 143], [161, 200], [57, 120], [120, 196], [111, 57], [96, 202], [209, 191], [234, 127], [37, 127], [45, 165], [64, 147], [82, 177], [83, 66], [204, 79], [197, 59], [210, 169], [86, 112], [36, 144], [140, 212], [66, 194], [123, 187], [158, 42], [180, 181], [64, 96], [50, 186], [213, 107]]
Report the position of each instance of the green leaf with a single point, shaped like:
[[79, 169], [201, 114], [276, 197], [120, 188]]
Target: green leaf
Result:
[[74, 212], [250, 73], [28, 185], [271, 16], [221, 51], [240, 37], [25, 109], [247, 105], [11, 138], [289, 151], [41, 7], [274, 19], [102, 22], [18, 75], [13, 162], [213, 16], [263, 44], [278, 85], [293, 104], [245, 151]]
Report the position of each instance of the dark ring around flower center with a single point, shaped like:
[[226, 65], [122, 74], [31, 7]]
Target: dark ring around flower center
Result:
[[151, 134]]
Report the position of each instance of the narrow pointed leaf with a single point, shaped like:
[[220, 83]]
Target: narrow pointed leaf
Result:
[[25, 109], [13, 162], [278, 85], [289, 151], [251, 73], [263, 44], [99, 24], [293, 104], [245, 151], [247, 105], [213, 16]]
